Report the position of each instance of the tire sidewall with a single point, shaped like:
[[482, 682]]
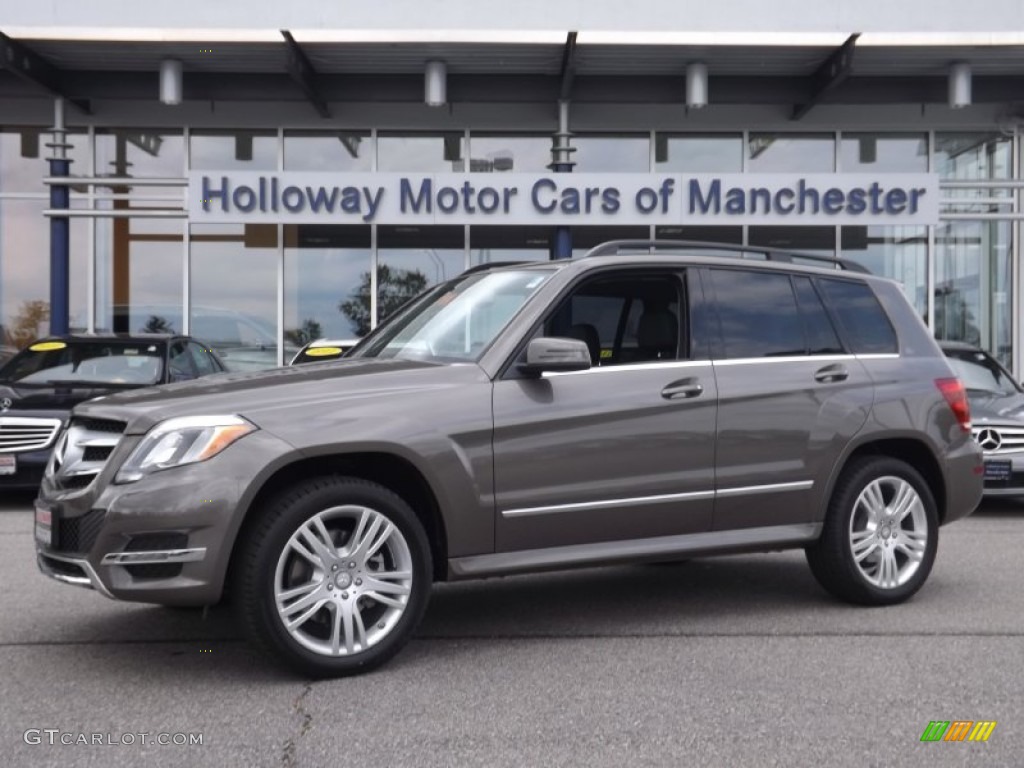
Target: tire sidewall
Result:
[[294, 510], [843, 509]]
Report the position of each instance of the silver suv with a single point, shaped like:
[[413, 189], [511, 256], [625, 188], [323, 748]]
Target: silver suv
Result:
[[647, 402]]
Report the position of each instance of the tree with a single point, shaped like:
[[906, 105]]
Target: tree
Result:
[[310, 330], [28, 324], [157, 324], [394, 288]]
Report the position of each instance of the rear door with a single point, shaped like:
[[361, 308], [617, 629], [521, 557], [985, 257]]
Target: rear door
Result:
[[791, 396], [624, 450]]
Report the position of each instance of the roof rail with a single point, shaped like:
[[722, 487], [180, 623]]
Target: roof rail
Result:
[[615, 247], [493, 265]]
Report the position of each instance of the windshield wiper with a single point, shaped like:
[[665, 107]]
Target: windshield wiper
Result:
[[88, 384]]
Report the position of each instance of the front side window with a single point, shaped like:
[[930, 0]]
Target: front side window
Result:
[[624, 319], [94, 362], [757, 314], [457, 320]]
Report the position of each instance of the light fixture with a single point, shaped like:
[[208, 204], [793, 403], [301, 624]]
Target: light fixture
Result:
[[696, 85], [435, 83], [170, 81], [959, 85]]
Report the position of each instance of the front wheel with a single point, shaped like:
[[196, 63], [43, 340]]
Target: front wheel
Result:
[[880, 536], [335, 576]]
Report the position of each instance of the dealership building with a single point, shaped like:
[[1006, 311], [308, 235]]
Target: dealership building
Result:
[[260, 173]]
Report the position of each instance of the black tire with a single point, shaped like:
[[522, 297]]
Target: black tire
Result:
[[832, 558], [257, 574]]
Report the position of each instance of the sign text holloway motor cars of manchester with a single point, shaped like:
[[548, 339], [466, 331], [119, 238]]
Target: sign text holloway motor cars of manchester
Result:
[[579, 198]]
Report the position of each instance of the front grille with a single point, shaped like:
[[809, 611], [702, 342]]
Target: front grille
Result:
[[22, 433], [83, 450], [997, 439], [78, 534], [97, 453]]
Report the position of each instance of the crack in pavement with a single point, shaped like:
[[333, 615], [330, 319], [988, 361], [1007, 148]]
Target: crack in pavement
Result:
[[305, 725]]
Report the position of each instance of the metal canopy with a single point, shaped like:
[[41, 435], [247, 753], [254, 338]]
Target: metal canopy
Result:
[[514, 72]]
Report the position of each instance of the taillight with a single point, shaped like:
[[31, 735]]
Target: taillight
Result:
[[955, 394]]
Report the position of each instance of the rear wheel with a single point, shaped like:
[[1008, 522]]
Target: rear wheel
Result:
[[335, 577], [880, 536]]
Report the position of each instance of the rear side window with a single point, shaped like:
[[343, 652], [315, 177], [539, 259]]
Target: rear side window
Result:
[[758, 314], [863, 321]]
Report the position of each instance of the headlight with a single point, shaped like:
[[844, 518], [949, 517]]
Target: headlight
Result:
[[184, 440]]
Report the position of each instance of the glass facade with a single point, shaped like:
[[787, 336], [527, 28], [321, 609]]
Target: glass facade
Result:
[[257, 292]]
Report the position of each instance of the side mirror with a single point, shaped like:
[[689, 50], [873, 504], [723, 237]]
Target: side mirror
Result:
[[555, 355]]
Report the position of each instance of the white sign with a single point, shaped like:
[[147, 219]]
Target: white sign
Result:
[[292, 197]]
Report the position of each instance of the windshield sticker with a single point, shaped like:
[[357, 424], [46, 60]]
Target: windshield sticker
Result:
[[130, 351], [47, 346], [323, 351]]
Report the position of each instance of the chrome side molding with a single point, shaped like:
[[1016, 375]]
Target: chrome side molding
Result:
[[156, 556]]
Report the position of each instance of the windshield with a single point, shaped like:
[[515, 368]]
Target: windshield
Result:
[[86, 362], [981, 373], [455, 321]]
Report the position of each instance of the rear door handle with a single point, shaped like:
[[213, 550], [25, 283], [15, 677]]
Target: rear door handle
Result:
[[830, 373], [683, 388]]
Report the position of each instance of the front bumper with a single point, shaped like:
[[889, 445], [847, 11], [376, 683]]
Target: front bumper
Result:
[[29, 471], [1012, 485], [165, 539]]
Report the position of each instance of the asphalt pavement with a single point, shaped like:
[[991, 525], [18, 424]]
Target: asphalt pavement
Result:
[[734, 661]]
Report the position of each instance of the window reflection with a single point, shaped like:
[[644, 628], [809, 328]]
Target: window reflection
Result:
[[234, 293], [326, 268], [409, 260], [789, 153], [628, 153], [421, 152], [884, 153], [235, 150], [498, 243], [899, 253], [328, 151], [696, 153], [503, 154]]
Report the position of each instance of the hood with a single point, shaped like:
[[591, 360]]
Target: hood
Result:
[[265, 396], [50, 397], [995, 408]]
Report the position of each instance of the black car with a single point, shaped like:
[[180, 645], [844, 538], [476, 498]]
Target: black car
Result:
[[40, 385], [997, 415]]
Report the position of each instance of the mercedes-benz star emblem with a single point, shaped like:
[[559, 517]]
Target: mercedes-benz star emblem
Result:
[[989, 439], [6, 403]]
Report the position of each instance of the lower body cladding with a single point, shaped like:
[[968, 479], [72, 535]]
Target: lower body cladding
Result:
[[165, 539]]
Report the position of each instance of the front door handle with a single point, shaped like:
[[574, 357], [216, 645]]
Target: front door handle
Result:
[[683, 388], [831, 373]]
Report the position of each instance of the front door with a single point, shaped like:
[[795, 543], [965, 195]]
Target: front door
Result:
[[624, 450]]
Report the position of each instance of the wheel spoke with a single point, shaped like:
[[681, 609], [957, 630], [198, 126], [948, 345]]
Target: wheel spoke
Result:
[[904, 501], [863, 544], [387, 582], [369, 541], [300, 591], [316, 535], [301, 548], [317, 603], [912, 543], [874, 501], [888, 570]]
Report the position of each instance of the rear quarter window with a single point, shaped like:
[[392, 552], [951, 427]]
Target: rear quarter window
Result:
[[864, 324]]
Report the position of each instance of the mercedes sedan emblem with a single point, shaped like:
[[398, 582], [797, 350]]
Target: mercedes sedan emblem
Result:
[[989, 439], [6, 403]]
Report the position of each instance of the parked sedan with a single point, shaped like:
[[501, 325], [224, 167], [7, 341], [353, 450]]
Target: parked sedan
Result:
[[997, 414], [40, 385]]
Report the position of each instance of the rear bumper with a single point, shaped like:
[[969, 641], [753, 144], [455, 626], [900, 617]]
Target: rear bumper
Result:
[[964, 483]]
